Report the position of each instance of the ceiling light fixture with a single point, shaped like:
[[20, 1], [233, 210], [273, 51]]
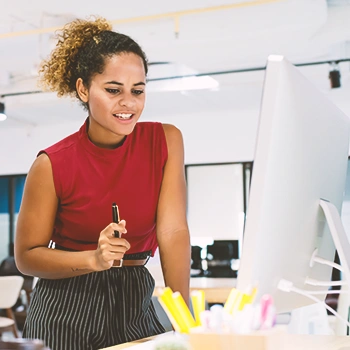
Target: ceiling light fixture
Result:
[[3, 116], [170, 76], [334, 75]]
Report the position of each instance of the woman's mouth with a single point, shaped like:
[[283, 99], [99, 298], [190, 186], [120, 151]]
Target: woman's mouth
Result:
[[123, 116]]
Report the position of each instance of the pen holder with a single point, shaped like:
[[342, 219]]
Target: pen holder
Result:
[[272, 339]]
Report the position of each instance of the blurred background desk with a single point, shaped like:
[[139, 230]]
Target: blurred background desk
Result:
[[216, 289]]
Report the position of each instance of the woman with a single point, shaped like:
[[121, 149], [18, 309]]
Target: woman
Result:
[[81, 301]]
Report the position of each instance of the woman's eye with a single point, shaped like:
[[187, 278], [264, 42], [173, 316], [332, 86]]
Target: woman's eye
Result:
[[112, 91], [137, 92]]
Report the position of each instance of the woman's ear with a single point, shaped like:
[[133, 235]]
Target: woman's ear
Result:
[[82, 90]]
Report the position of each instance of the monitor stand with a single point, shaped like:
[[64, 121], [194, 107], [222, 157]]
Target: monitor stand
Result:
[[313, 319], [342, 245], [339, 236]]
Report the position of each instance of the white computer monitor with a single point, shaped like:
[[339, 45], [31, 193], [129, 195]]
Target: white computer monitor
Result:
[[301, 157]]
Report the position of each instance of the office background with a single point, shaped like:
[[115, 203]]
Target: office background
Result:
[[218, 47]]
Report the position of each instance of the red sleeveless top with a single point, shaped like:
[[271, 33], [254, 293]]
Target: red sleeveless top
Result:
[[88, 179]]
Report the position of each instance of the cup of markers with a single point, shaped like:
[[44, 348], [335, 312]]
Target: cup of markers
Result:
[[240, 314], [244, 315], [241, 323]]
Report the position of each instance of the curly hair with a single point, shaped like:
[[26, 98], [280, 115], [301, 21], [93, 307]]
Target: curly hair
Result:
[[80, 52]]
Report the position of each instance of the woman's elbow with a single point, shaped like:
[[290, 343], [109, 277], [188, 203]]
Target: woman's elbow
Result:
[[21, 261]]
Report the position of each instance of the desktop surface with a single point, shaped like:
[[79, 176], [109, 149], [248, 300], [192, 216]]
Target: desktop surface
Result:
[[291, 342]]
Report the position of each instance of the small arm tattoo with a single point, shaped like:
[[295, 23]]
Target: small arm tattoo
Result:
[[74, 269]]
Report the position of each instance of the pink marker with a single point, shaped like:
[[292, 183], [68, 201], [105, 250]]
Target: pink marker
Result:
[[266, 303]]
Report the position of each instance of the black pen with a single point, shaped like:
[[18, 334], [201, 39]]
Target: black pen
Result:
[[115, 214]]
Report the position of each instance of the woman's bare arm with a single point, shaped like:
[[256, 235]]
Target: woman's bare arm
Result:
[[172, 230], [34, 229]]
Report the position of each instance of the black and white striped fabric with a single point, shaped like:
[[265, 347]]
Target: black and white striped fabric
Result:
[[93, 311]]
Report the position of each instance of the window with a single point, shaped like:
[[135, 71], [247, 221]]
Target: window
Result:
[[217, 200], [11, 191]]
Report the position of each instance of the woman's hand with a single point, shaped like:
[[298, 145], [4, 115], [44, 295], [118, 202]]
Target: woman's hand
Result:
[[109, 247]]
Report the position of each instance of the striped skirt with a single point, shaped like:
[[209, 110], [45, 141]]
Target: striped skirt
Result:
[[93, 311]]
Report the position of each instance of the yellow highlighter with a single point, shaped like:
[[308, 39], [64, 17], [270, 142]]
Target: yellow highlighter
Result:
[[233, 301], [184, 310], [166, 307], [247, 298], [244, 301], [198, 304], [174, 315], [253, 294]]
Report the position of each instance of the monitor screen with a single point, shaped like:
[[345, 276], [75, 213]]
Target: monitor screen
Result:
[[301, 157]]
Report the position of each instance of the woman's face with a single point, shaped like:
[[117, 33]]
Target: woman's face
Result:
[[116, 99]]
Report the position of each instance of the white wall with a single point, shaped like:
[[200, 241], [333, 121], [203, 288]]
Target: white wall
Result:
[[226, 137], [18, 147], [221, 137]]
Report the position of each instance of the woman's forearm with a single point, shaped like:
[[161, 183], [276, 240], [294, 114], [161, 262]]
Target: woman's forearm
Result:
[[49, 263], [175, 255]]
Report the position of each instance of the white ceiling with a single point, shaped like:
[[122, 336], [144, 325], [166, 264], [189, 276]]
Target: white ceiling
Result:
[[205, 36]]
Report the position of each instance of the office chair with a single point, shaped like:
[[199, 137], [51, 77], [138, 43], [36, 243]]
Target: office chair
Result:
[[8, 268], [220, 258], [10, 288]]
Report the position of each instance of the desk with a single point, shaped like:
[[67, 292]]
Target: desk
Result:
[[216, 289], [293, 342], [132, 344]]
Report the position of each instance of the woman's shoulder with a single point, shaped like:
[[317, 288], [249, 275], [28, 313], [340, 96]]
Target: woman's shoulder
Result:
[[169, 133], [171, 130], [173, 136]]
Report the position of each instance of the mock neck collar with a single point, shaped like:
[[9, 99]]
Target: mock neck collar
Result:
[[100, 151]]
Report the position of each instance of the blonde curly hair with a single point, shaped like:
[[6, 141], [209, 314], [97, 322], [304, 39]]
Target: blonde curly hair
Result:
[[80, 52]]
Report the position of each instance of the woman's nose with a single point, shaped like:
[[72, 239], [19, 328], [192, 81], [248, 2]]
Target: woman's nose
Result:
[[127, 100]]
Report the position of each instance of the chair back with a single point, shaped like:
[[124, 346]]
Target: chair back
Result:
[[10, 287]]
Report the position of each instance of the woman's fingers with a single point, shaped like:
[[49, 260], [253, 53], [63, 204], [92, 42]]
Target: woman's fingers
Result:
[[111, 243], [117, 227], [111, 248], [110, 256], [119, 244], [116, 245], [115, 241]]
